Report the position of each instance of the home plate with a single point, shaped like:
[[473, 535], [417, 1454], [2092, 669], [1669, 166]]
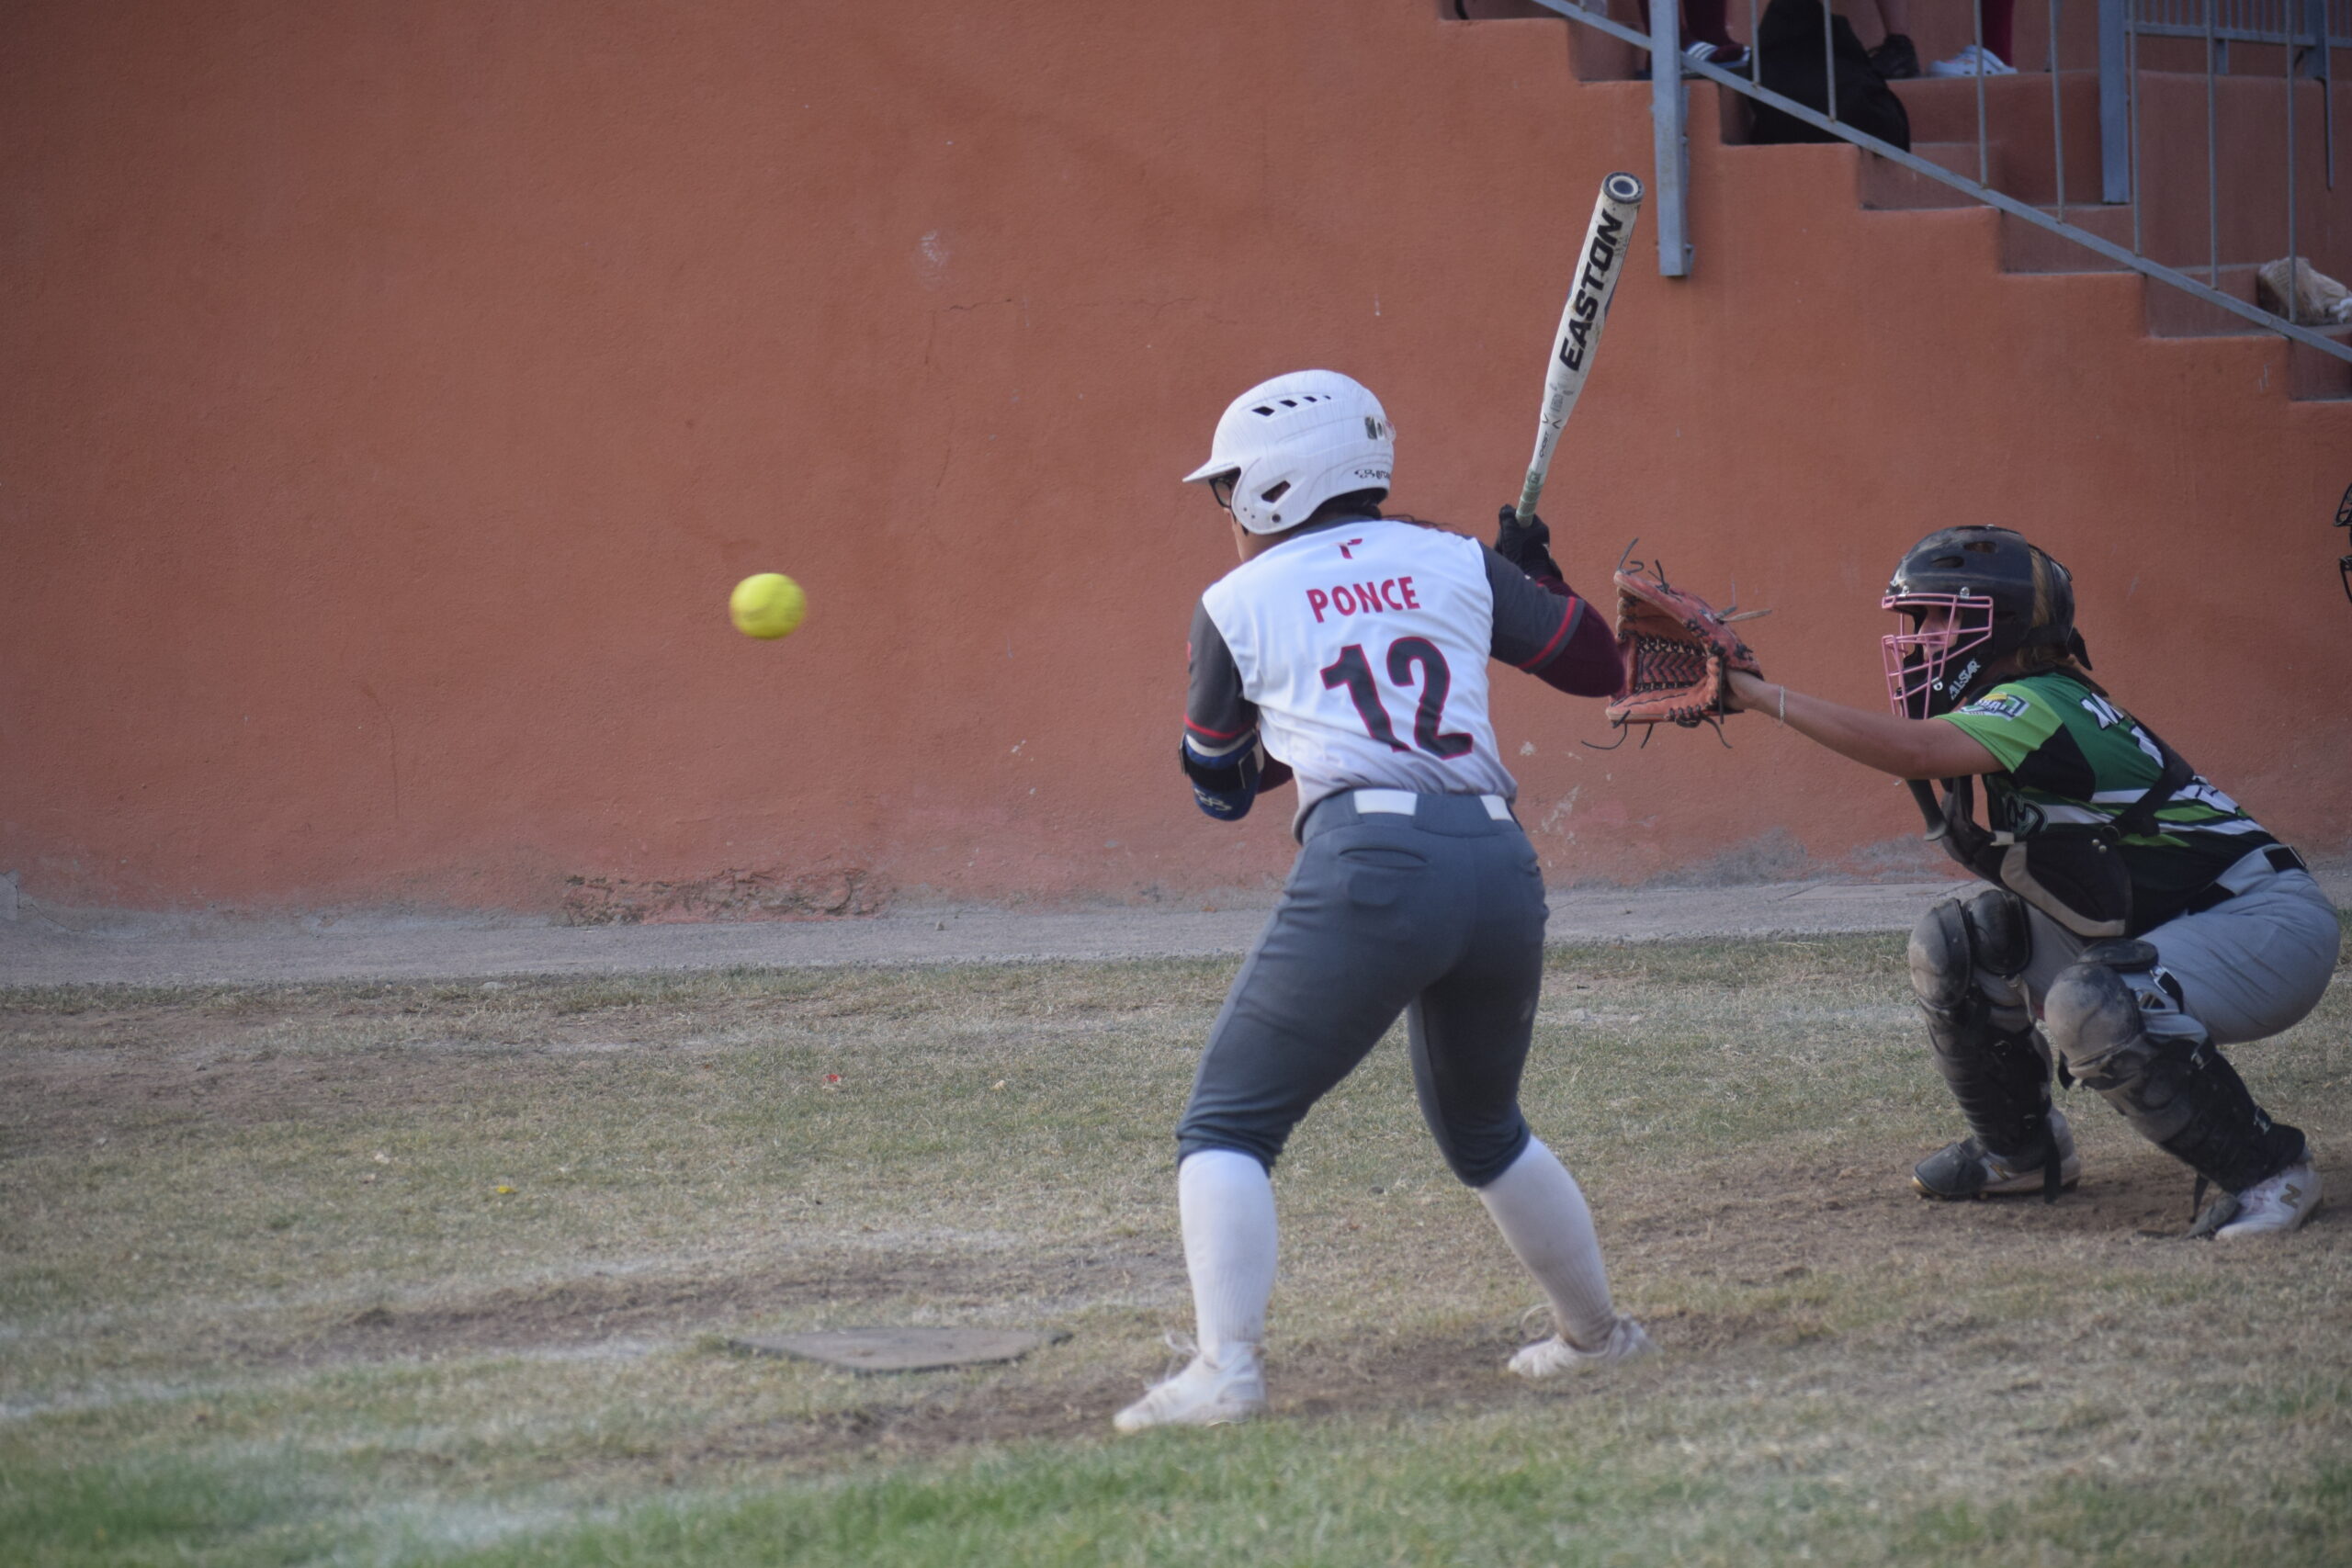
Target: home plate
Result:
[[902, 1349]]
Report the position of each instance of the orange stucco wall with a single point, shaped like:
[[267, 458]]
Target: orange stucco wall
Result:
[[393, 393]]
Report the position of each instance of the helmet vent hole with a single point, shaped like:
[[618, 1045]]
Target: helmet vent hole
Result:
[[1980, 546], [1266, 409], [1275, 494]]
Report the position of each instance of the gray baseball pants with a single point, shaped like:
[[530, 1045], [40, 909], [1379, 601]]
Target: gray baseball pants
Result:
[[1437, 914], [2248, 967]]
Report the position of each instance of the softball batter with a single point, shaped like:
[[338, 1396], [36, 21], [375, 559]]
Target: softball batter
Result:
[[1352, 650]]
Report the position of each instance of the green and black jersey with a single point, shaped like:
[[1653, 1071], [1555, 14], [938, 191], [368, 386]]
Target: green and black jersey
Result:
[[2071, 756]]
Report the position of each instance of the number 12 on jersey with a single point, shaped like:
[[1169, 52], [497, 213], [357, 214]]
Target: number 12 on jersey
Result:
[[1352, 670]]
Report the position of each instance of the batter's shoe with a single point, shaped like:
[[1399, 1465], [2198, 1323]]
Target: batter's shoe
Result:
[[2266, 1208], [1964, 1170], [1203, 1394], [1552, 1358]]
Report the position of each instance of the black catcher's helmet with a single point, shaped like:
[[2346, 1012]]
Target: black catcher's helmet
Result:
[[1968, 598]]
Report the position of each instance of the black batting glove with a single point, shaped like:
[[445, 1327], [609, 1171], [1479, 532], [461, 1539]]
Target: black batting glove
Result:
[[1526, 545]]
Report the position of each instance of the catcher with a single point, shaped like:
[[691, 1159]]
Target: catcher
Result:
[[2135, 912]]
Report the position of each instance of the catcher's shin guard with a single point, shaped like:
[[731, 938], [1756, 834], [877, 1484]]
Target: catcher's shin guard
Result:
[[2177, 1092], [2000, 1077]]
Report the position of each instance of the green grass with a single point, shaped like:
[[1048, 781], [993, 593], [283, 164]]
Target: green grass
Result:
[[448, 1274]]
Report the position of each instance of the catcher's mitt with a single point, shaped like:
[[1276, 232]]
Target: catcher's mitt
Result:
[[1679, 651]]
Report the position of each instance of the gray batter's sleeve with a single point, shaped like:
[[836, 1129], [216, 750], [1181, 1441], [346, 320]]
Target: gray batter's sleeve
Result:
[[1219, 722]]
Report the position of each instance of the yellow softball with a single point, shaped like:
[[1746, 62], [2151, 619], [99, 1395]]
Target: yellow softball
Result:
[[767, 605]]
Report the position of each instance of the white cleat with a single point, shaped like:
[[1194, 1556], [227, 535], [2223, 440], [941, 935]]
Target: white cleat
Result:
[[1973, 61], [1551, 1357], [1203, 1394], [2276, 1206]]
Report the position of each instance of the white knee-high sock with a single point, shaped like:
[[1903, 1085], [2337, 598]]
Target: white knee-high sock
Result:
[[1540, 1212], [1228, 1205]]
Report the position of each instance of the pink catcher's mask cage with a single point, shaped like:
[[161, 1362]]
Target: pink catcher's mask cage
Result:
[[1918, 656]]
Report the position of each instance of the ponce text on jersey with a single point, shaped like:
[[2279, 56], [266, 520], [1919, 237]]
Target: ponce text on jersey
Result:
[[1363, 598]]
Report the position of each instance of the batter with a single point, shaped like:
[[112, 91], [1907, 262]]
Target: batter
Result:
[[1351, 650]]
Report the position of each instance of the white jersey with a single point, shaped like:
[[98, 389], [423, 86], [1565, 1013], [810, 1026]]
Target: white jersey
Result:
[[1363, 647]]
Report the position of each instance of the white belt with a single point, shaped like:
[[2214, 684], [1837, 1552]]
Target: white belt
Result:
[[1401, 802]]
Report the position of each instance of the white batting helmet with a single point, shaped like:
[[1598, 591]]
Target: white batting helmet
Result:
[[1289, 444]]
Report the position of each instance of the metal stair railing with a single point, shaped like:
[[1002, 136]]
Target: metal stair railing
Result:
[[2309, 31], [2309, 50]]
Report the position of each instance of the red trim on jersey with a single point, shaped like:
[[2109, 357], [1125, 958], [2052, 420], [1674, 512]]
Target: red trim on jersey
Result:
[[1568, 625], [1202, 730], [1588, 663]]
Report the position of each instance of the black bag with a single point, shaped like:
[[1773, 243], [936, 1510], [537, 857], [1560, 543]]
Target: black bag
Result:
[[1788, 62]]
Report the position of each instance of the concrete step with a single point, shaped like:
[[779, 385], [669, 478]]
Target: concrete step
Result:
[[2170, 313], [1937, 31], [2025, 248], [2316, 377], [1888, 186], [1945, 110], [1941, 31], [2022, 142], [2180, 239]]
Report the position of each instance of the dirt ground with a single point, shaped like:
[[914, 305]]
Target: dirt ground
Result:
[[41, 947]]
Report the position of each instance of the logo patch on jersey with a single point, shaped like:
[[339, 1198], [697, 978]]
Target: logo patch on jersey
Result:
[[1997, 707], [2019, 818]]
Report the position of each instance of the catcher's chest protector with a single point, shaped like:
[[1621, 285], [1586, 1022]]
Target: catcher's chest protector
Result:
[[1365, 649], [2071, 824]]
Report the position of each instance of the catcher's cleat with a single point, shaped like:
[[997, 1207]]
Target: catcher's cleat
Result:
[[2267, 1208], [1552, 1358], [1203, 1394], [1964, 1170]]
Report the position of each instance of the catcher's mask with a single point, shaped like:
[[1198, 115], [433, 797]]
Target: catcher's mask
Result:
[[1967, 599]]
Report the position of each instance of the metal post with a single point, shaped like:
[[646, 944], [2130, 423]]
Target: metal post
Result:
[[2294, 283], [2114, 107], [1828, 61], [2057, 114], [1670, 149], [2213, 162], [1984, 157], [2324, 67], [2133, 38]]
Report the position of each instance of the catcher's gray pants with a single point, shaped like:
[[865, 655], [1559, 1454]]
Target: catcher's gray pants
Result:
[[2247, 967], [1436, 912]]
